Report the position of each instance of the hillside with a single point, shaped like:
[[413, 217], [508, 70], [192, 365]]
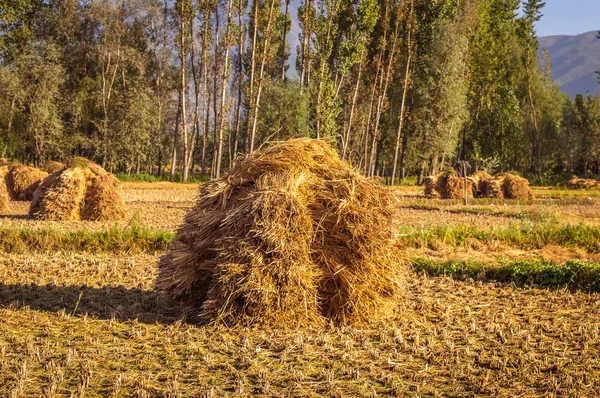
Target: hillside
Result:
[[574, 61]]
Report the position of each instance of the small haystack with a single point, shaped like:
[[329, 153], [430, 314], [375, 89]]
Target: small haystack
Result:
[[580, 183], [4, 197], [447, 185], [21, 181], [512, 186], [291, 236], [431, 186], [481, 184], [53, 166], [81, 190]]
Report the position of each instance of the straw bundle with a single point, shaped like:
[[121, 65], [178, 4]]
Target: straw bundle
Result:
[[431, 187], [4, 197], [447, 185], [481, 181], [291, 236], [82, 190], [514, 186], [53, 166], [580, 183], [21, 181]]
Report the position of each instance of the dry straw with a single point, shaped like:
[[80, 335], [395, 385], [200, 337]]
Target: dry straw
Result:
[[4, 197], [580, 183], [291, 236], [21, 181], [504, 186], [81, 190], [447, 185]]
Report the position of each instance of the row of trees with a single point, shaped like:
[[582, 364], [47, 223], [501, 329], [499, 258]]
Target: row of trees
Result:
[[403, 87]]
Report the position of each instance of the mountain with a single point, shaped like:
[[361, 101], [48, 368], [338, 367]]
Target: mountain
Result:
[[574, 61]]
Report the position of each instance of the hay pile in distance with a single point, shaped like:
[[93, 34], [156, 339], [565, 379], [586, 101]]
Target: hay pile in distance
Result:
[[291, 236], [580, 183], [21, 181], [447, 185], [505, 186], [4, 197], [81, 190], [432, 191]]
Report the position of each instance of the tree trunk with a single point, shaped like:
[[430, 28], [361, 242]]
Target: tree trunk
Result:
[[240, 77], [381, 103], [205, 91], [176, 138], [346, 137], [401, 122], [223, 93], [267, 36], [249, 138], [182, 93], [283, 41]]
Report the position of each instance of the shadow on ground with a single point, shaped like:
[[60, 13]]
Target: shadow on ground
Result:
[[110, 302]]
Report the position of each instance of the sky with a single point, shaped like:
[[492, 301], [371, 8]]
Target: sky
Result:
[[569, 17]]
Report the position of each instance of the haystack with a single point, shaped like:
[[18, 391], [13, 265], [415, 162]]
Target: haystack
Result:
[[431, 187], [447, 185], [21, 181], [512, 186], [82, 190], [481, 184], [53, 166], [4, 197], [580, 183], [291, 236]]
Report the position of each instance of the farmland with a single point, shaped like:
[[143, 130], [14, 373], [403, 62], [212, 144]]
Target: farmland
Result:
[[502, 300]]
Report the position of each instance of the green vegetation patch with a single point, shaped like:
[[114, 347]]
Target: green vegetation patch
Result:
[[522, 215], [177, 177], [115, 239], [574, 274], [525, 236]]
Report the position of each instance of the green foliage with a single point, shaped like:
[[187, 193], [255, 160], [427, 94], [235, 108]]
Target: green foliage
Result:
[[574, 274], [131, 239], [102, 80], [526, 235], [284, 112], [143, 177]]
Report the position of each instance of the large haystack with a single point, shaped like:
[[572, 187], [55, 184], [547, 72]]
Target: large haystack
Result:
[[4, 197], [447, 185], [82, 190], [580, 183], [21, 181], [291, 236], [53, 166]]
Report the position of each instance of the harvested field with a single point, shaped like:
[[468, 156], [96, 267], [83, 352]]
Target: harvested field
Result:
[[474, 320], [450, 337]]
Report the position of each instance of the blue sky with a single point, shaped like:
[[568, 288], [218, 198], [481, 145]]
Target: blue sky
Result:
[[569, 17]]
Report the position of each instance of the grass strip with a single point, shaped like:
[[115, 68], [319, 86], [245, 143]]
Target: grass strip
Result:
[[521, 215], [115, 239], [524, 236], [574, 274]]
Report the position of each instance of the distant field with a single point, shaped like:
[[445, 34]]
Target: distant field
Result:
[[504, 301]]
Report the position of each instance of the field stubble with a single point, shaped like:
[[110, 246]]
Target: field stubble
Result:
[[90, 324]]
